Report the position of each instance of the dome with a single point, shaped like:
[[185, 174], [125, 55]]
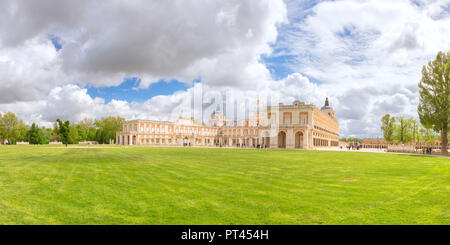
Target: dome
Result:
[[327, 105]]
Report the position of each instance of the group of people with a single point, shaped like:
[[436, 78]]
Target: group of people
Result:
[[427, 150], [353, 147]]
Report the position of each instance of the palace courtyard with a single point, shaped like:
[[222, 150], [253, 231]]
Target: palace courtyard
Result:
[[190, 185]]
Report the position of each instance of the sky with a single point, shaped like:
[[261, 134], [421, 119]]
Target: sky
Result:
[[142, 59]]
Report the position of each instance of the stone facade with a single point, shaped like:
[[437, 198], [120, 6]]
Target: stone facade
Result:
[[296, 126]]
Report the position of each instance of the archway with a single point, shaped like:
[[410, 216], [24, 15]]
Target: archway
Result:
[[299, 140], [281, 139]]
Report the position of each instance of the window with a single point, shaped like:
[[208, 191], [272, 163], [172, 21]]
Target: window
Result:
[[287, 117]]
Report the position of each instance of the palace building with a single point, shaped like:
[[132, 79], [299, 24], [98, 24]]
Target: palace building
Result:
[[296, 126]]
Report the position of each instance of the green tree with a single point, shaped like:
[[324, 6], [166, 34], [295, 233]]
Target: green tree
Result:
[[47, 134], [99, 135], [35, 135], [403, 130], [354, 140], [387, 126], [415, 130], [9, 127], [428, 136], [74, 137], [22, 131], [108, 127], [91, 134], [63, 130], [434, 90]]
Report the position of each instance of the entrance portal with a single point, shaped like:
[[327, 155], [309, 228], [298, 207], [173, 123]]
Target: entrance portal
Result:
[[282, 139]]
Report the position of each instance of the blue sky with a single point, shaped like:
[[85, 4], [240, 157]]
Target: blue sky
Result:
[[279, 63], [128, 90], [366, 56], [56, 41]]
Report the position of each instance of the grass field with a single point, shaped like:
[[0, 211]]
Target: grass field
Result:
[[152, 185]]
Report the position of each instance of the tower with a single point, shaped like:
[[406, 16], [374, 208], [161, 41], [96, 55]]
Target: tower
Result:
[[217, 118], [328, 109]]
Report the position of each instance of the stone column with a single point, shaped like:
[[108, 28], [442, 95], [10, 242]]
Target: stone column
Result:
[[290, 139], [306, 140], [274, 141]]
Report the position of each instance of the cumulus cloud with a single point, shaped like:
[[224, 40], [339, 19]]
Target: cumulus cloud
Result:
[[366, 56], [71, 102], [105, 42], [29, 71]]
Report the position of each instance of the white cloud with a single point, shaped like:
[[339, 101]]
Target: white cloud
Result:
[[150, 39], [71, 102], [366, 54], [29, 71]]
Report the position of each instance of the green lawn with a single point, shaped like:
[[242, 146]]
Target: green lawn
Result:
[[153, 185]]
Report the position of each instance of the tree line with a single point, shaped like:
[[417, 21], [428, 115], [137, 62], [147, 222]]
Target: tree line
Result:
[[14, 130], [351, 140], [433, 108], [406, 130]]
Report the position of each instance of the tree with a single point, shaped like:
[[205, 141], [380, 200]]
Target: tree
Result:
[[86, 124], [403, 130], [35, 135], [107, 128], [428, 136], [354, 140], [415, 129], [47, 134], [74, 137], [387, 126], [434, 90], [84, 128], [22, 131], [63, 131], [91, 134], [9, 127]]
